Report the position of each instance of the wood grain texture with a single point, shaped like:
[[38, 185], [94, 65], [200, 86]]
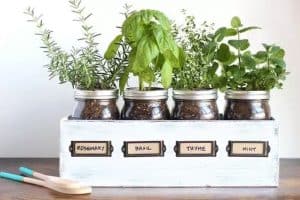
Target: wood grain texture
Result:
[[289, 186]]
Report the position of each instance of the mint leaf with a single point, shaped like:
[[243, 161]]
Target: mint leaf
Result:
[[279, 62], [236, 22], [230, 32], [248, 29], [276, 52], [261, 56], [220, 34], [248, 61], [239, 44], [223, 53]]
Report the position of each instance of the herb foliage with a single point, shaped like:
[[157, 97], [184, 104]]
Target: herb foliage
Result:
[[154, 52], [243, 70], [200, 46], [83, 67]]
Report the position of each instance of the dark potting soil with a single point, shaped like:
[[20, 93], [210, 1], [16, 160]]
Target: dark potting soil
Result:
[[96, 109], [145, 110], [236, 109], [195, 110]]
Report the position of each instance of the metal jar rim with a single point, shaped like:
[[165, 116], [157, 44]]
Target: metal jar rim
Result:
[[209, 94], [96, 94], [153, 94], [247, 95]]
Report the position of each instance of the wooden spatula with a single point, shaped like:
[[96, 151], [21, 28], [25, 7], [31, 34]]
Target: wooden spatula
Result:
[[60, 182], [48, 183]]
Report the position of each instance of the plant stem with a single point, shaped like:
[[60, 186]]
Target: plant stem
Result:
[[239, 52], [141, 85], [268, 59]]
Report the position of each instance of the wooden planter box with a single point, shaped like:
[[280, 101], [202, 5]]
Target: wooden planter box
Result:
[[170, 153]]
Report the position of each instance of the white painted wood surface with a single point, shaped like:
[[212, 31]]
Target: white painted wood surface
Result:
[[170, 171]]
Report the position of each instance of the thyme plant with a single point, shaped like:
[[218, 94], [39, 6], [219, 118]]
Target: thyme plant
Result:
[[200, 47]]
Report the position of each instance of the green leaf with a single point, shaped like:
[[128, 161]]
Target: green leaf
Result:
[[231, 59], [212, 69], [160, 59], [236, 22], [280, 71], [248, 29], [147, 51], [209, 47], [166, 74], [148, 32], [239, 44], [133, 29], [261, 56], [171, 58], [279, 62], [163, 39], [113, 47], [181, 57], [223, 53], [266, 46], [124, 79], [248, 61], [131, 58], [230, 32], [276, 52], [147, 75], [161, 19], [220, 34]]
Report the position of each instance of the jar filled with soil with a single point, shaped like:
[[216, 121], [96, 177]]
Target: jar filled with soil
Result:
[[195, 105], [95, 105], [247, 105], [150, 104]]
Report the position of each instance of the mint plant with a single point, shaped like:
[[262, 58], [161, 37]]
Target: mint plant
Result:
[[242, 70], [84, 67], [200, 46], [153, 50], [272, 71]]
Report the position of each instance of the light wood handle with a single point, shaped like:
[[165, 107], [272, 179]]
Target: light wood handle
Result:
[[34, 181], [40, 175]]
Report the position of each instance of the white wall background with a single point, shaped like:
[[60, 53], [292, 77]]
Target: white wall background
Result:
[[31, 105]]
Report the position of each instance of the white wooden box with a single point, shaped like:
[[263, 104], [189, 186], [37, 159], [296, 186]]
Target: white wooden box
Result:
[[169, 170]]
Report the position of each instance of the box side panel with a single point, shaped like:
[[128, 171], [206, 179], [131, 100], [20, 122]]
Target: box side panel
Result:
[[170, 170]]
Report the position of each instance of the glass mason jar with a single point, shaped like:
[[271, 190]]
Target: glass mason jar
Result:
[[195, 105], [247, 105], [145, 105], [96, 105]]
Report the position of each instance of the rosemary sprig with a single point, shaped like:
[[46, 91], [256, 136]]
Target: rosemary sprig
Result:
[[84, 67]]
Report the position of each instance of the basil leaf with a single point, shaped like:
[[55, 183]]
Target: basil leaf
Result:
[[113, 47], [166, 74]]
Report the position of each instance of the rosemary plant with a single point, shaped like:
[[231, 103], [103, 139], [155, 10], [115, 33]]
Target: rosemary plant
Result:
[[84, 67]]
